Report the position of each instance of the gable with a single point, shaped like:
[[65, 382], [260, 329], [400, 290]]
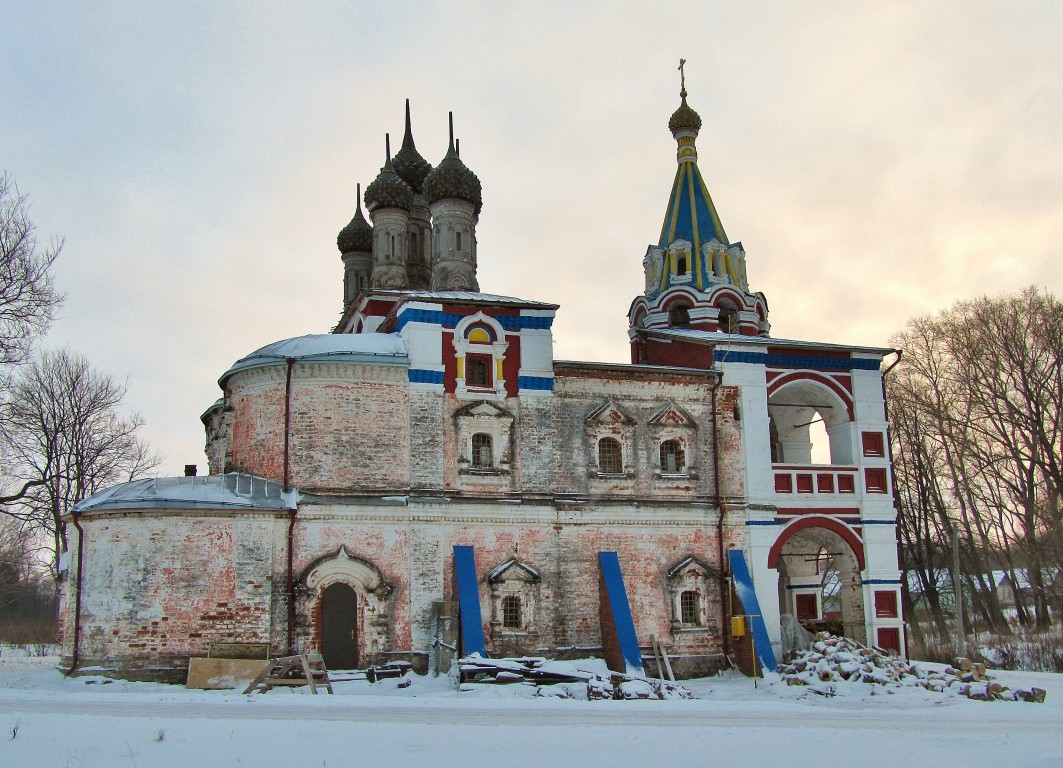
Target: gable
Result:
[[608, 413]]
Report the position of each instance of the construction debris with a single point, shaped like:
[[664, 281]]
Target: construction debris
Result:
[[834, 659], [538, 671]]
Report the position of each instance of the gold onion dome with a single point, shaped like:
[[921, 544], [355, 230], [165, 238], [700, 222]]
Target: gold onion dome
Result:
[[453, 179], [684, 118], [357, 236], [408, 163], [388, 190]]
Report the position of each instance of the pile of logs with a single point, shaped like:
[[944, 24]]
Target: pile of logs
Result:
[[539, 671], [835, 659]]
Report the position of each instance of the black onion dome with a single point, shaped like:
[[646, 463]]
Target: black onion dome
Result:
[[388, 190], [408, 163], [684, 118], [357, 236], [453, 179]]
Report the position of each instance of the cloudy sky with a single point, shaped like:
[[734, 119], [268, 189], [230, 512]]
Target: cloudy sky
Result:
[[878, 161]]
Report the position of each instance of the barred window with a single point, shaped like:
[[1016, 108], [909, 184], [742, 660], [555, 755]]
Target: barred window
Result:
[[610, 456], [481, 450], [477, 372], [672, 459], [688, 607], [511, 612]]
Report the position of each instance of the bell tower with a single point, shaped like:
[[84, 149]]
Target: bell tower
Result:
[[695, 276]]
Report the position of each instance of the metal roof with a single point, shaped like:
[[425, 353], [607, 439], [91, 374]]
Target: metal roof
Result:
[[231, 491]]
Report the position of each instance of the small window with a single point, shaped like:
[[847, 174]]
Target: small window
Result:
[[511, 612], [457, 241], [481, 451], [477, 372], [672, 459], [681, 265], [413, 245], [610, 457], [679, 315], [688, 607]]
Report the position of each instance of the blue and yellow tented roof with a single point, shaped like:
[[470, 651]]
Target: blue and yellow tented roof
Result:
[[691, 215]]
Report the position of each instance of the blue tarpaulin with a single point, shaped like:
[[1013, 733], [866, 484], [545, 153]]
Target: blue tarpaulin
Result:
[[744, 587], [472, 628], [619, 611]]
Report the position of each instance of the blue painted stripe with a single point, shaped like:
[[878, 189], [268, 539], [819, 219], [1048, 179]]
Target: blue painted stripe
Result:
[[450, 319], [882, 581], [878, 522], [751, 606], [422, 376], [472, 628], [730, 356], [813, 362], [766, 522], [620, 610], [545, 383]]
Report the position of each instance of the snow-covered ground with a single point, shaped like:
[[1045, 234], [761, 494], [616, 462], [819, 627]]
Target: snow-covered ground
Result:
[[48, 721]]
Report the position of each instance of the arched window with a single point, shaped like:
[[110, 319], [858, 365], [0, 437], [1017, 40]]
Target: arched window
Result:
[[672, 459], [477, 372], [681, 265], [481, 451], [689, 612], [679, 315], [511, 612], [610, 456], [457, 241]]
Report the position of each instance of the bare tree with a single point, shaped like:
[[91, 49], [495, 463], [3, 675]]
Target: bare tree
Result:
[[978, 431], [28, 297], [63, 435]]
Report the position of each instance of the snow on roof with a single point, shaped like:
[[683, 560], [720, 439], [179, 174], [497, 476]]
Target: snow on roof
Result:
[[231, 491], [381, 348]]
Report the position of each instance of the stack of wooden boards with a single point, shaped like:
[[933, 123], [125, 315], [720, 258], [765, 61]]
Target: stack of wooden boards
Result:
[[538, 671]]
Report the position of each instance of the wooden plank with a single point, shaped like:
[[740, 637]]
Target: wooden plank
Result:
[[261, 651], [223, 674]]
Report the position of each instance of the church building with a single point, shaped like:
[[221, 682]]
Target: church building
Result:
[[429, 461]]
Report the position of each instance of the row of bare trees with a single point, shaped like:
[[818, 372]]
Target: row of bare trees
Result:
[[976, 412], [62, 434]]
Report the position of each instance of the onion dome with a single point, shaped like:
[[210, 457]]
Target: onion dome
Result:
[[408, 163], [453, 179], [388, 190], [357, 236], [684, 118]]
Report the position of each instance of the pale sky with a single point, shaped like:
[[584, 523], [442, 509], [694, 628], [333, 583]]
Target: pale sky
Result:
[[877, 161]]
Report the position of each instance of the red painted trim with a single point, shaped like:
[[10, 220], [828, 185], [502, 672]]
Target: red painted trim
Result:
[[829, 383], [833, 511], [813, 468], [802, 523]]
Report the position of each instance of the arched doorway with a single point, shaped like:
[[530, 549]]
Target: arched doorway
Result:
[[339, 626], [819, 578]]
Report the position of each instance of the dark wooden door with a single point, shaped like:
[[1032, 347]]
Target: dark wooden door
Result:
[[806, 607], [339, 627]]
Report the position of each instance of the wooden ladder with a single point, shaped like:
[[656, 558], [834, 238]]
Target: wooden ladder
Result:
[[302, 669], [664, 666]]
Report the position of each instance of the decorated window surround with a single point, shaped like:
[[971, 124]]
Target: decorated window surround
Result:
[[480, 334]]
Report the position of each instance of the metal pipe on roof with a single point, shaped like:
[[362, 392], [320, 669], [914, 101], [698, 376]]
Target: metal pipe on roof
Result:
[[724, 618], [75, 655], [291, 514]]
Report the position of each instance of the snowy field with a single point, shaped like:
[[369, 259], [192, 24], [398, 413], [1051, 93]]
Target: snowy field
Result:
[[47, 721]]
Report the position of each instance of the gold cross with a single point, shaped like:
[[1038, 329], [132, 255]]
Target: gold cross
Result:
[[682, 75]]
